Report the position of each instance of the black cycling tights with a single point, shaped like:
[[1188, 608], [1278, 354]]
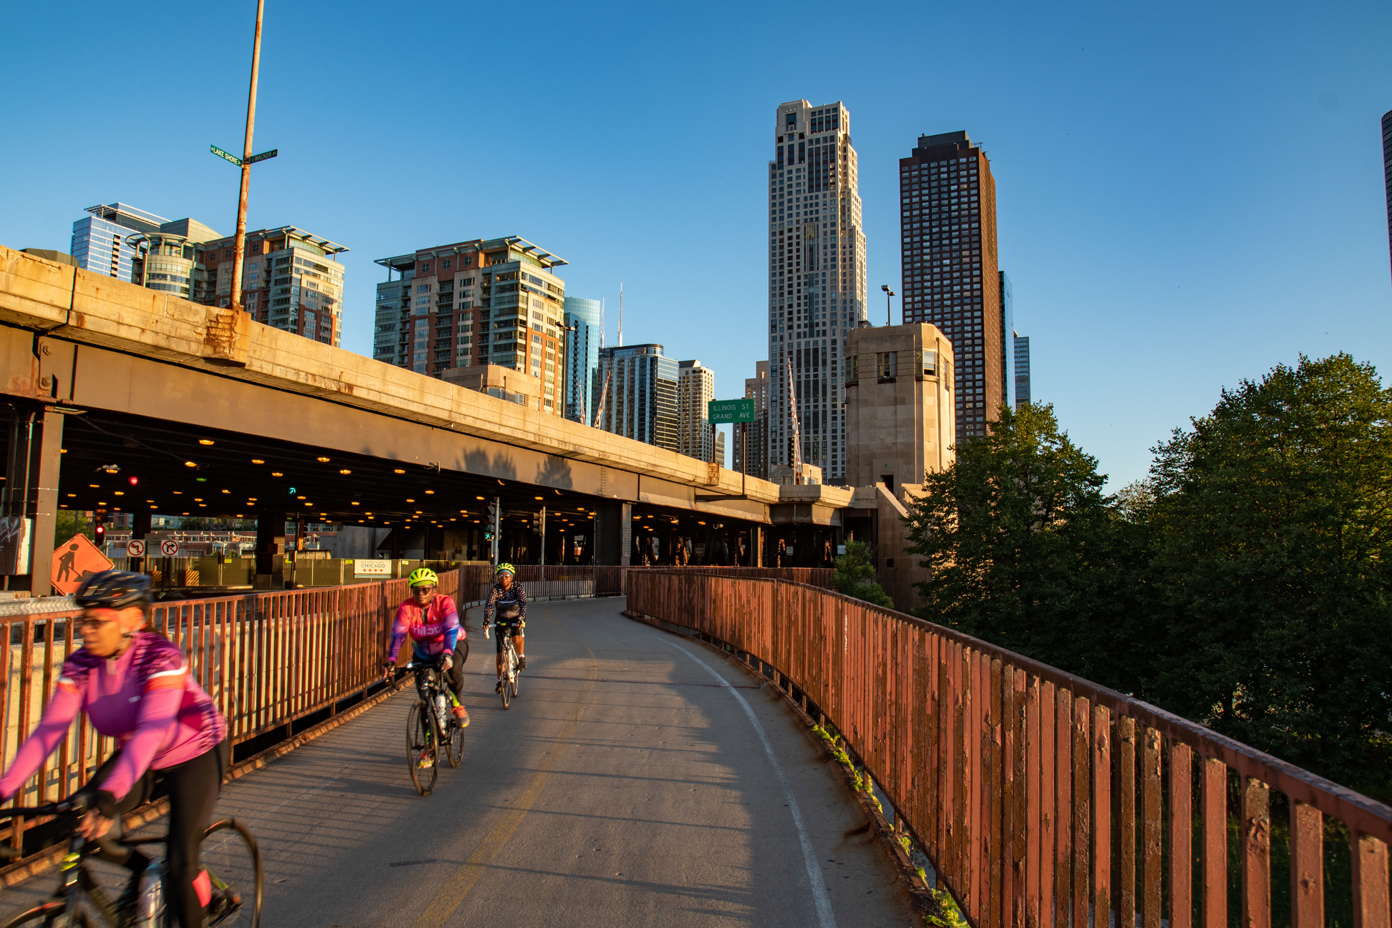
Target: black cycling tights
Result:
[[192, 788], [454, 677]]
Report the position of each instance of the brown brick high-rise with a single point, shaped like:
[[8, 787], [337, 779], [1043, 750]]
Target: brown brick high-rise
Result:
[[947, 200]]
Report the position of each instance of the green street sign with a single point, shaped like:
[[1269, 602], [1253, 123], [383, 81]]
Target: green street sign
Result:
[[224, 155], [263, 156], [730, 410]]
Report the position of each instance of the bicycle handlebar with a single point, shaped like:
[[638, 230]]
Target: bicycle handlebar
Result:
[[77, 803], [416, 665]]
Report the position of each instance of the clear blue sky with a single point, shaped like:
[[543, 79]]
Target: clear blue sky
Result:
[[1188, 193]]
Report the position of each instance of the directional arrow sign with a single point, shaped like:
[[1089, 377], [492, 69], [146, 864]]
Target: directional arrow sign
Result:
[[263, 156], [222, 154]]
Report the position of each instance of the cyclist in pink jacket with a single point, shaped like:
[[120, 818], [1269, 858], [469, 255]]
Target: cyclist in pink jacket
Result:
[[135, 686]]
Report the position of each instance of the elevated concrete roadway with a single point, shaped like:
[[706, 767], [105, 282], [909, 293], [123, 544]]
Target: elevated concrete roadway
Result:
[[220, 416], [116, 346], [638, 780]]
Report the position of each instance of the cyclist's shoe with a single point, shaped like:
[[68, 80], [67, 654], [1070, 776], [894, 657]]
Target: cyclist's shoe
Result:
[[461, 716], [499, 687], [521, 662], [426, 759]]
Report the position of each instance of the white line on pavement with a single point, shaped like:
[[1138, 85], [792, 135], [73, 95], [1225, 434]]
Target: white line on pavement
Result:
[[814, 871]]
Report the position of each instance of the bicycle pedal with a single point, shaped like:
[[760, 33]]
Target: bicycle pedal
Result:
[[223, 906]]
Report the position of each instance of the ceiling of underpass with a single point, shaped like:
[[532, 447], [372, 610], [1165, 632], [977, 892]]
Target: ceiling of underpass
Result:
[[181, 470]]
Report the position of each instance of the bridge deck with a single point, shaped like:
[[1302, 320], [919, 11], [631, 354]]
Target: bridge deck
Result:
[[626, 786]]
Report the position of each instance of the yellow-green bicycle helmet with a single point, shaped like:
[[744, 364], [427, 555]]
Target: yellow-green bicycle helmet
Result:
[[505, 566], [421, 576]]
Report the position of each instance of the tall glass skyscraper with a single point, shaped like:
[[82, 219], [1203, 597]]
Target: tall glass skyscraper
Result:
[[99, 241], [581, 357], [1022, 369], [816, 280], [637, 394], [1007, 342]]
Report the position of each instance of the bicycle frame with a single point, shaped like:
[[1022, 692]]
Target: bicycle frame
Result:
[[74, 880], [429, 683]]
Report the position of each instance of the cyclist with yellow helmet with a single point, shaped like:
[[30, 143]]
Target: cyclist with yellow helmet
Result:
[[432, 622], [509, 601]]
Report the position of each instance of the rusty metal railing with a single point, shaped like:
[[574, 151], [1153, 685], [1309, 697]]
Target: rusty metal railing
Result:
[[268, 660], [1043, 799]]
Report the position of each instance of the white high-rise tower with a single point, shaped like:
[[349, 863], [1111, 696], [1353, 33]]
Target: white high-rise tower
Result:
[[816, 280]]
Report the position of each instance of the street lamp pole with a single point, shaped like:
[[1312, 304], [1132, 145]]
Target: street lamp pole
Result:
[[888, 295], [239, 244]]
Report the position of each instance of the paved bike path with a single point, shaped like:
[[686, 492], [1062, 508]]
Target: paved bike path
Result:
[[639, 779]]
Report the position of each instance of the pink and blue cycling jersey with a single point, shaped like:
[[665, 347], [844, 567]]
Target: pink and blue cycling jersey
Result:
[[144, 697], [433, 630]]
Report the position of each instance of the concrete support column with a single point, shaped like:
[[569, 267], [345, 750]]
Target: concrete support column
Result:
[[626, 534], [756, 546], [270, 549], [613, 532], [31, 489]]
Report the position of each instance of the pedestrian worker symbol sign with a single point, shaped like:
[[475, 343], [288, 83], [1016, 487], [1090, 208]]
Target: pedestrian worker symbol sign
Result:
[[74, 560]]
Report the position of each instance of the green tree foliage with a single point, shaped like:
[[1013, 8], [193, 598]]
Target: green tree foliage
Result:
[[855, 576], [1271, 515], [69, 523], [1027, 552], [1243, 584]]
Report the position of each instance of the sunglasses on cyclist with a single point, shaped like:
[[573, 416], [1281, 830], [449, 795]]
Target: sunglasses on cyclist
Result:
[[91, 622], [425, 589]]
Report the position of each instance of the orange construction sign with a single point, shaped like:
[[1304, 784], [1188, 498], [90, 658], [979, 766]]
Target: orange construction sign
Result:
[[73, 560]]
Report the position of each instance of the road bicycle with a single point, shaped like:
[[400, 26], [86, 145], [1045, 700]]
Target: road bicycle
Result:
[[431, 727], [229, 857], [508, 689]]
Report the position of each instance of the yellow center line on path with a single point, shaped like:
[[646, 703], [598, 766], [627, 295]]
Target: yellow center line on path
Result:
[[458, 884]]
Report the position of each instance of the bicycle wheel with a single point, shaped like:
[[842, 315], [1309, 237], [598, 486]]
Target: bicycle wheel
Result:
[[420, 748], [50, 915], [505, 690], [454, 746], [515, 674], [233, 860]]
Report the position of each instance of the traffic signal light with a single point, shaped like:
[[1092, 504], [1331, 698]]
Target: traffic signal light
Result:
[[493, 506], [99, 526]]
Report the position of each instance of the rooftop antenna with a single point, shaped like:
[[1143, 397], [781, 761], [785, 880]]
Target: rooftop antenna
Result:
[[621, 314]]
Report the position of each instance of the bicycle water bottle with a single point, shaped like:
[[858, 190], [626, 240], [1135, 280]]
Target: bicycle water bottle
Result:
[[440, 710], [149, 906]]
